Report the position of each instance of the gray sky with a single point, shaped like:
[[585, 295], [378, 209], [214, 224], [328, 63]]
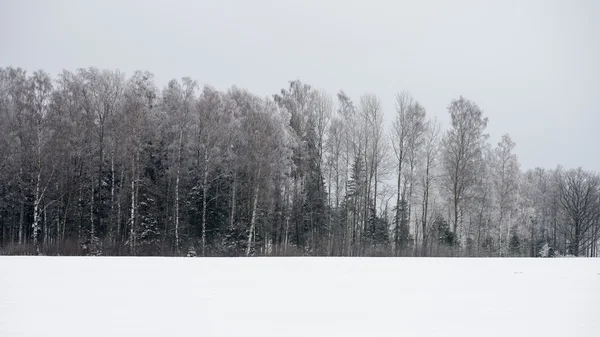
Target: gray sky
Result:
[[532, 66]]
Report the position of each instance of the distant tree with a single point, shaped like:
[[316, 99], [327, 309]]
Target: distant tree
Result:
[[462, 153], [140, 95], [101, 93], [408, 130], [309, 115], [214, 119], [514, 245], [336, 173], [545, 250], [38, 101], [579, 200], [445, 236], [371, 114], [431, 150], [506, 180], [351, 150], [178, 102], [482, 202]]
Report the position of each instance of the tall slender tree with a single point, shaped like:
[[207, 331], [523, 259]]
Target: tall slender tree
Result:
[[462, 153]]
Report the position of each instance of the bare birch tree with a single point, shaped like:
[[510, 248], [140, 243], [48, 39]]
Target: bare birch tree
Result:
[[428, 176], [506, 183], [462, 153]]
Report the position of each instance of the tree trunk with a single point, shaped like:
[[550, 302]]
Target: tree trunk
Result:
[[233, 200], [58, 231], [330, 213], [532, 243], [204, 192], [64, 226], [111, 229], [456, 210], [36, 218], [287, 220], [425, 210], [45, 229], [500, 241], [287, 230], [554, 234], [92, 231], [479, 231], [177, 192], [576, 239], [397, 220], [409, 202], [21, 217], [118, 237], [375, 201], [99, 189], [132, 217], [508, 225], [253, 217], [80, 208]]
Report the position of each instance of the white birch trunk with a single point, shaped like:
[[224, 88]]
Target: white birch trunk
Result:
[[112, 200], [253, 217], [45, 227], [36, 218], [177, 192], [508, 235], [132, 218], [204, 192]]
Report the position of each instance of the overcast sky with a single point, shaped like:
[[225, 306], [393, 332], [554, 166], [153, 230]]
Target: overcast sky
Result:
[[532, 66]]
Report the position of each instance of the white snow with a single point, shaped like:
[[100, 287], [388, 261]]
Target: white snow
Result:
[[111, 297]]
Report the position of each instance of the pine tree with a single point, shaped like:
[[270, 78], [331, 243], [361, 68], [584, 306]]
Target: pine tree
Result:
[[402, 237], [514, 244]]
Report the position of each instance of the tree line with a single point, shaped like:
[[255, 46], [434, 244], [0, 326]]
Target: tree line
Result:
[[97, 163]]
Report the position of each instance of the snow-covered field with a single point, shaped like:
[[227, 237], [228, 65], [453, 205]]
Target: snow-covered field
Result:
[[110, 297]]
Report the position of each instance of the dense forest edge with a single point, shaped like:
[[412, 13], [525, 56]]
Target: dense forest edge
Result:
[[97, 163]]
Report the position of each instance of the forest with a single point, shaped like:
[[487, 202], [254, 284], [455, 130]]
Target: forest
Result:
[[94, 162]]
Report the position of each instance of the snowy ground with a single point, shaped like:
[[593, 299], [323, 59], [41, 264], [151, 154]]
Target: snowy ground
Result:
[[110, 297]]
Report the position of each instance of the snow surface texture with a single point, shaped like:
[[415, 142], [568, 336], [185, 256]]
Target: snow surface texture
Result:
[[110, 297]]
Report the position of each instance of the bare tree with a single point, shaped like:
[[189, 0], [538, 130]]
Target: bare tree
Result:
[[400, 132], [178, 101], [428, 177], [579, 200], [407, 139], [324, 110], [140, 94], [102, 92], [371, 115], [416, 120], [348, 115], [506, 180], [39, 100], [462, 153], [334, 148], [268, 152], [214, 119], [482, 201]]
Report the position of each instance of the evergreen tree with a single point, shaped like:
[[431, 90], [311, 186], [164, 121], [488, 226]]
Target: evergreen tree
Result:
[[514, 244], [402, 237]]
